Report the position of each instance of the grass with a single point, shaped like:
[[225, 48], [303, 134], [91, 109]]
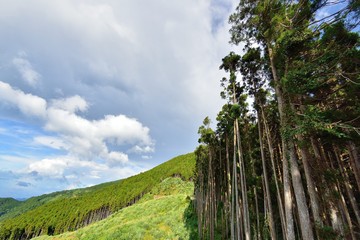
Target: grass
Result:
[[164, 213]]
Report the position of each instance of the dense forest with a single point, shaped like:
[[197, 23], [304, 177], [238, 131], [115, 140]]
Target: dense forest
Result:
[[283, 161]]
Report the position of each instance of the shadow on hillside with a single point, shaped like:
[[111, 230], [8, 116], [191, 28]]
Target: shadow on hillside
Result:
[[190, 220]]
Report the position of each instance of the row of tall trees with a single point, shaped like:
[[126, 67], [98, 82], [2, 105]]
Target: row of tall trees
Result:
[[286, 166]]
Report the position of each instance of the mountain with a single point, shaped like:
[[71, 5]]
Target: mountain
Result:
[[164, 213], [7, 204], [70, 210]]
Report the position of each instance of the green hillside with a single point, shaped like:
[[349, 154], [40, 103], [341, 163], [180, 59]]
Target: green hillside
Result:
[[19, 207], [7, 204], [67, 211], [164, 213]]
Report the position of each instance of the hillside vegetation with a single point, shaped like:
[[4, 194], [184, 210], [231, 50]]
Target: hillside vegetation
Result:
[[6, 204], [67, 213], [11, 208], [164, 213]]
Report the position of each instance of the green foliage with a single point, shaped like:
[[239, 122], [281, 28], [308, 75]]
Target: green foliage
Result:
[[327, 232], [165, 213], [70, 210], [312, 67], [35, 202], [6, 204]]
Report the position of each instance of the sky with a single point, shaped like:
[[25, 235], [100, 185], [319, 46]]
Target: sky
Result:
[[96, 91]]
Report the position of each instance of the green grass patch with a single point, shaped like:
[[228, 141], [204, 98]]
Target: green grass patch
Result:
[[165, 213]]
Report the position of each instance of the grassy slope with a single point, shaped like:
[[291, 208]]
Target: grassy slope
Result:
[[67, 213], [164, 213]]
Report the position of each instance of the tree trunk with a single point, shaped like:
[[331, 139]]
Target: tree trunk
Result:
[[348, 187], [314, 203], [229, 189], [266, 180], [304, 218], [272, 158], [235, 198], [290, 234], [354, 161], [245, 208]]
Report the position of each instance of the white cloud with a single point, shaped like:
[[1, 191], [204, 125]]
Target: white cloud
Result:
[[73, 172], [156, 61], [71, 104], [116, 157], [49, 167], [52, 142], [28, 104], [81, 138], [28, 74], [139, 149], [123, 130]]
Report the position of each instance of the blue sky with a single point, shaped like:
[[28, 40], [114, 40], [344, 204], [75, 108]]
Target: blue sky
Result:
[[95, 91]]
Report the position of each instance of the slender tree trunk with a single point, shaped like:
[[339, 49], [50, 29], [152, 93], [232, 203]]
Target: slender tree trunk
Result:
[[348, 187], [272, 158], [266, 180], [258, 235], [211, 197], [347, 216], [335, 206], [304, 218], [243, 185], [314, 203], [229, 189], [289, 149], [290, 234], [236, 192], [355, 162]]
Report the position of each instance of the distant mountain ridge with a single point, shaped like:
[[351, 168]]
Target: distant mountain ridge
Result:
[[7, 204], [70, 210]]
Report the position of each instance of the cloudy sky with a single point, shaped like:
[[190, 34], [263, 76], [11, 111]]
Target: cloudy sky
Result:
[[94, 91]]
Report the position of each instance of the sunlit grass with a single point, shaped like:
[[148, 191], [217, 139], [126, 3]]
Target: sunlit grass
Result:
[[161, 214]]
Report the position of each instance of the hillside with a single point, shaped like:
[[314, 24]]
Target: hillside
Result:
[[7, 204], [68, 211], [12, 208], [164, 213]]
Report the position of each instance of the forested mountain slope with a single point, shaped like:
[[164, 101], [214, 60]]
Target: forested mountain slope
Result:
[[18, 207], [7, 204], [165, 212], [77, 209]]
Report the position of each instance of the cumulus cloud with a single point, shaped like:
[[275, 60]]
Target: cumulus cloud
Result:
[[71, 104], [117, 67], [28, 104], [79, 137]]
